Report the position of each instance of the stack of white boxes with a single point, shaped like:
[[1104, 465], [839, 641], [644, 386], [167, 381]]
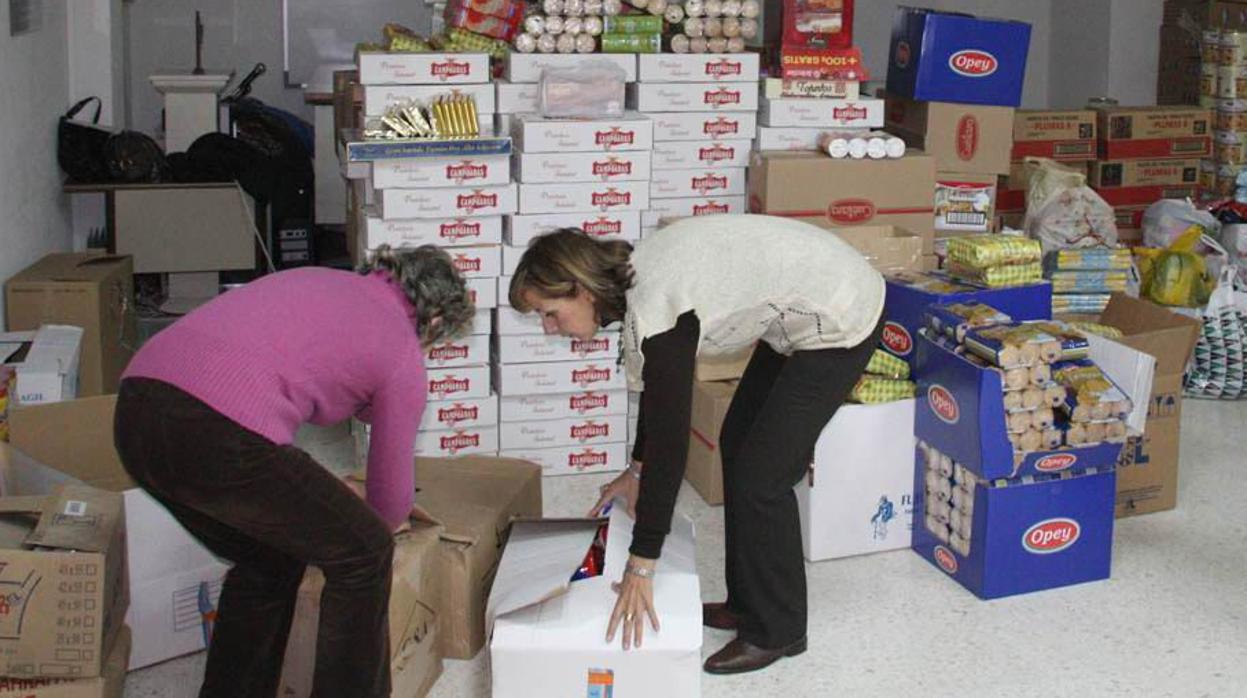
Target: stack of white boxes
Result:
[[791, 119], [457, 202], [562, 401], [704, 108]]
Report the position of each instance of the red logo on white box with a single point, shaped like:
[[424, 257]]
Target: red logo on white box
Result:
[[476, 200], [607, 199], [945, 559], [720, 127], [450, 69], [613, 138], [588, 401], [602, 226], [459, 229], [593, 374], [722, 97], [457, 413], [1056, 462], [973, 63], [590, 346], [612, 168], [723, 68], [448, 352], [1051, 536], [467, 264], [587, 458], [466, 170], [709, 208], [708, 183], [449, 385], [459, 441], [716, 153], [847, 115], [896, 338], [967, 137], [943, 404], [584, 432], [851, 211]]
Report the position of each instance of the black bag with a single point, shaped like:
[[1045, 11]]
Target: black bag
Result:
[[80, 146], [134, 158]]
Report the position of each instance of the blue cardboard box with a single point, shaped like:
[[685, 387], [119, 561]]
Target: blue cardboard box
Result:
[[910, 293], [947, 57], [961, 412], [1024, 535]]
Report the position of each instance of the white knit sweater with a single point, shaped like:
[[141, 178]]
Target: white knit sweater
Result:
[[748, 278]]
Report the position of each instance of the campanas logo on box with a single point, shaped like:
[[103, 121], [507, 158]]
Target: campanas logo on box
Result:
[[467, 264], [611, 167], [610, 198], [716, 153], [721, 97], [588, 458], [459, 441], [707, 183], [450, 385], [723, 68], [457, 413], [475, 201], [588, 402], [450, 69], [711, 208], [466, 170], [722, 126], [444, 353], [602, 226], [589, 431], [614, 138], [459, 230]]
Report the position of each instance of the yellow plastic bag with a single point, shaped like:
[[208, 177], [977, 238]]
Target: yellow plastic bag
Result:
[[1176, 275]]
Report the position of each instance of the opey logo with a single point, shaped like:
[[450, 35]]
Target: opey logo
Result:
[[1051, 536], [1056, 462], [967, 137], [902, 55], [943, 404], [973, 63], [897, 339], [945, 559], [850, 211]]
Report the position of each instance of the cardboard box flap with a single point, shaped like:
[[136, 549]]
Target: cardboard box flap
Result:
[[888, 248], [85, 451], [482, 513], [1132, 370], [51, 347], [69, 267], [538, 563], [1155, 330], [74, 518]]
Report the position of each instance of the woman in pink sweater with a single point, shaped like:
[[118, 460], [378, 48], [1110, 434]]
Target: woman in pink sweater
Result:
[[206, 417]]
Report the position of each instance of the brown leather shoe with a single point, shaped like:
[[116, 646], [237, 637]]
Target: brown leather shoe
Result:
[[739, 657], [719, 616]]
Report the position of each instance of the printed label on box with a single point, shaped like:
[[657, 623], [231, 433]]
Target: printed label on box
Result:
[[533, 349], [446, 232], [441, 172], [552, 433], [446, 202], [668, 184], [558, 377], [693, 96], [518, 97], [698, 67], [574, 460], [822, 113], [460, 414], [620, 225], [797, 139], [383, 68], [534, 134], [457, 442], [667, 210], [571, 168], [528, 67], [468, 351], [571, 198], [964, 205], [682, 155], [518, 408], [458, 383], [700, 126]]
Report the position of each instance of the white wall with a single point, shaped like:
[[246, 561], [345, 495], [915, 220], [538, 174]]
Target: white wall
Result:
[[1104, 48], [34, 218], [1134, 51]]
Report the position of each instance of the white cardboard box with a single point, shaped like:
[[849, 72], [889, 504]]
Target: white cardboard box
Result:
[[477, 262], [693, 96], [517, 349], [702, 126], [533, 133], [865, 112], [567, 168], [511, 321], [378, 98], [683, 155], [472, 350], [666, 210], [572, 198], [511, 256], [517, 97], [527, 67], [446, 202], [553, 433], [858, 495], [458, 383], [503, 123], [483, 321], [408, 173], [670, 184], [518, 408], [49, 371], [445, 232], [789, 138], [573, 460], [558, 377], [381, 68], [698, 67], [483, 292], [457, 442], [617, 225], [548, 634], [460, 414]]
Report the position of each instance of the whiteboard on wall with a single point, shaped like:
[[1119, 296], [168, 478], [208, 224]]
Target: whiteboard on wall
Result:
[[318, 33]]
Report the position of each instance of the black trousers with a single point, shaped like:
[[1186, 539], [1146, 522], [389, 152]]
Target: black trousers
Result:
[[767, 440], [271, 510]]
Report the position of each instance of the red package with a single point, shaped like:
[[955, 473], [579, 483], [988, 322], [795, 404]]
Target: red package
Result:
[[503, 9], [823, 64], [816, 24], [480, 23]]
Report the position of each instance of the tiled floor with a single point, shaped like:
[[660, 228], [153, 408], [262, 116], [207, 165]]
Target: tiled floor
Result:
[[1171, 622]]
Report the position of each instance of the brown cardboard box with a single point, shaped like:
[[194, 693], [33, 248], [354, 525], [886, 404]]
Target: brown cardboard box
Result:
[[67, 590], [845, 193], [186, 228], [415, 655], [1153, 132], [964, 203], [722, 368], [930, 262], [887, 247], [111, 684], [87, 290], [705, 470], [475, 498], [961, 137], [1148, 477], [1141, 173], [1053, 133]]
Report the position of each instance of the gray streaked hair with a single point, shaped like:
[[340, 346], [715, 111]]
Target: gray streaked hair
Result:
[[432, 284]]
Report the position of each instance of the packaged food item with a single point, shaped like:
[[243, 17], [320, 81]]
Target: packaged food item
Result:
[[888, 366], [592, 90], [1096, 258], [1002, 276], [955, 319], [982, 251], [1089, 281], [1091, 396], [872, 389]]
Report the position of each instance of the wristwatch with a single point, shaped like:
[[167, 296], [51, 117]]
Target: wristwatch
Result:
[[641, 572]]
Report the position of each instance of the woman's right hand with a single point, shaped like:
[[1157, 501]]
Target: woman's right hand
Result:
[[627, 486]]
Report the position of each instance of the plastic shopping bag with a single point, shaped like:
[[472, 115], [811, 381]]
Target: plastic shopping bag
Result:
[[1217, 369], [1176, 275]]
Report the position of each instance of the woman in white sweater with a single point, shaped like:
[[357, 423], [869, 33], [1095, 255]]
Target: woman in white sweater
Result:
[[707, 286]]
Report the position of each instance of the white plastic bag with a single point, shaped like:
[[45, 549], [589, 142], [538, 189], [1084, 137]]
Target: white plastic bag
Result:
[[1062, 212], [1217, 370], [593, 89], [1166, 219]]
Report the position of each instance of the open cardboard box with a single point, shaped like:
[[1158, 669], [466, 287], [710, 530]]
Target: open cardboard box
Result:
[[549, 634], [45, 361]]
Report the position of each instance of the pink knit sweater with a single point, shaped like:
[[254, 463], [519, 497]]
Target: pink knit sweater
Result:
[[307, 345]]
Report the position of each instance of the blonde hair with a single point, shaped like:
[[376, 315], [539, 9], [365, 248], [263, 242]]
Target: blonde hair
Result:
[[434, 286], [560, 263]]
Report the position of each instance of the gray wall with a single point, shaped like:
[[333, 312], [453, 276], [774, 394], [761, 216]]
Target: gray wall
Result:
[[34, 77]]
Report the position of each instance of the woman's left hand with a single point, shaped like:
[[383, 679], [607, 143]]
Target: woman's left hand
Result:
[[635, 603]]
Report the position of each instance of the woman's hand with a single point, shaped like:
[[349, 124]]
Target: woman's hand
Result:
[[627, 486], [635, 603]]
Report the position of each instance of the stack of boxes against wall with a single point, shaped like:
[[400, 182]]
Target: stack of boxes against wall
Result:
[[563, 401], [453, 202]]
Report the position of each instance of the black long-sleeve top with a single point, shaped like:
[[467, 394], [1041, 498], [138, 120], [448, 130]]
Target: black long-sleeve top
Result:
[[663, 423]]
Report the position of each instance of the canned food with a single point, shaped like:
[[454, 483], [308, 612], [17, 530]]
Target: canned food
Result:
[[1210, 47]]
